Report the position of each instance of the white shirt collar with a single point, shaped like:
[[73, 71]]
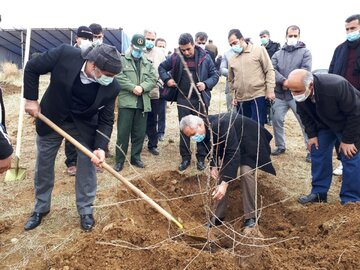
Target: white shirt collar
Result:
[[85, 79]]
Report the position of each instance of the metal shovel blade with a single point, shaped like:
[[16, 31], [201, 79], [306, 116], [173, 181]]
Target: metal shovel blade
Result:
[[16, 173]]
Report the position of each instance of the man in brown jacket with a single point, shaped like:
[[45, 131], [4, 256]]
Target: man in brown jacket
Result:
[[251, 77]]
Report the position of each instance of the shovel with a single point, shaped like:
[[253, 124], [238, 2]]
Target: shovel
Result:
[[17, 173], [111, 170]]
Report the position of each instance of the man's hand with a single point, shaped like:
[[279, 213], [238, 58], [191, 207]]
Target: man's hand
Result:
[[285, 85], [349, 150], [171, 83], [201, 86], [5, 164], [313, 141], [270, 96], [234, 102], [214, 173], [32, 107], [220, 191], [100, 157], [138, 90]]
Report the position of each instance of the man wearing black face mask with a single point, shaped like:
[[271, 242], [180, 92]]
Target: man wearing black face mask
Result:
[[329, 107], [137, 79], [346, 61], [80, 99]]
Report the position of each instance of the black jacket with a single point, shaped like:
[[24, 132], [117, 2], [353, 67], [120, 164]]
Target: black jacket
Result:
[[340, 59], [236, 142], [5, 146], [336, 107], [272, 47], [65, 63], [206, 71]]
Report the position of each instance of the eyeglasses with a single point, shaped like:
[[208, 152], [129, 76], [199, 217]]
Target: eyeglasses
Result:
[[291, 36]]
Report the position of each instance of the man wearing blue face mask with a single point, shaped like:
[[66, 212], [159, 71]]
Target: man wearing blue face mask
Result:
[[235, 144], [137, 79], [80, 99], [346, 60], [329, 107], [251, 77]]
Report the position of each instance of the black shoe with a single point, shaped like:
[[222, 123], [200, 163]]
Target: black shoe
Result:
[[184, 164], [137, 163], [154, 151], [34, 220], [200, 165], [118, 167], [313, 198], [214, 222], [161, 137], [278, 151], [87, 222], [250, 223]]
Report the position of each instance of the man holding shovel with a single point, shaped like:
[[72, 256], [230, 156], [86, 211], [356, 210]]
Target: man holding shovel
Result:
[[80, 99]]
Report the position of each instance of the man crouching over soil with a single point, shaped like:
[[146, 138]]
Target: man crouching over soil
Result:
[[235, 143], [80, 99]]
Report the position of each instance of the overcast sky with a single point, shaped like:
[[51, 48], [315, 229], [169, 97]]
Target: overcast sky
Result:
[[321, 22]]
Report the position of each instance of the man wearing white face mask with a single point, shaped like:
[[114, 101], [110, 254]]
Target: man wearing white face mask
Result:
[[98, 34], [80, 99], [137, 79], [293, 55], [156, 56], [84, 38], [200, 40], [329, 107], [346, 60]]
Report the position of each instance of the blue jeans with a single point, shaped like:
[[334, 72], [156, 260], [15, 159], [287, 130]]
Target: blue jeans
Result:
[[254, 109], [280, 108], [321, 168]]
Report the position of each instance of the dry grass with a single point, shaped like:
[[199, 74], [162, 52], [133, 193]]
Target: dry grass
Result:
[[10, 73]]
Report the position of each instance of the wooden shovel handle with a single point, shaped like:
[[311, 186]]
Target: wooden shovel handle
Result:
[[110, 169]]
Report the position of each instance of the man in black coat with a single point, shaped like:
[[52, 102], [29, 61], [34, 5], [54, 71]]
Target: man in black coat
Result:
[[5, 146], [346, 62], [80, 99], [205, 77], [329, 107], [235, 143]]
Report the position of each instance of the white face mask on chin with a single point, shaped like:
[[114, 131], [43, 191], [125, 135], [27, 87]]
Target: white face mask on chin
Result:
[[302, 97]]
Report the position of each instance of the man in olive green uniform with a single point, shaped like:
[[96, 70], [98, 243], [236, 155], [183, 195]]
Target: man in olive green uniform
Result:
[[137, 79]]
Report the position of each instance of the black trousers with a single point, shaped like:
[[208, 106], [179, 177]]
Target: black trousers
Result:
[[186, 107], [152, 121], [162, 116]]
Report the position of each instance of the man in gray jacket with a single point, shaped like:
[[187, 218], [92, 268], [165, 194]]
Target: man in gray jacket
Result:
[[293, 55]]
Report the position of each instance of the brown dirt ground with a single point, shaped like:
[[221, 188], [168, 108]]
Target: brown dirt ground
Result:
[[130, 234]]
